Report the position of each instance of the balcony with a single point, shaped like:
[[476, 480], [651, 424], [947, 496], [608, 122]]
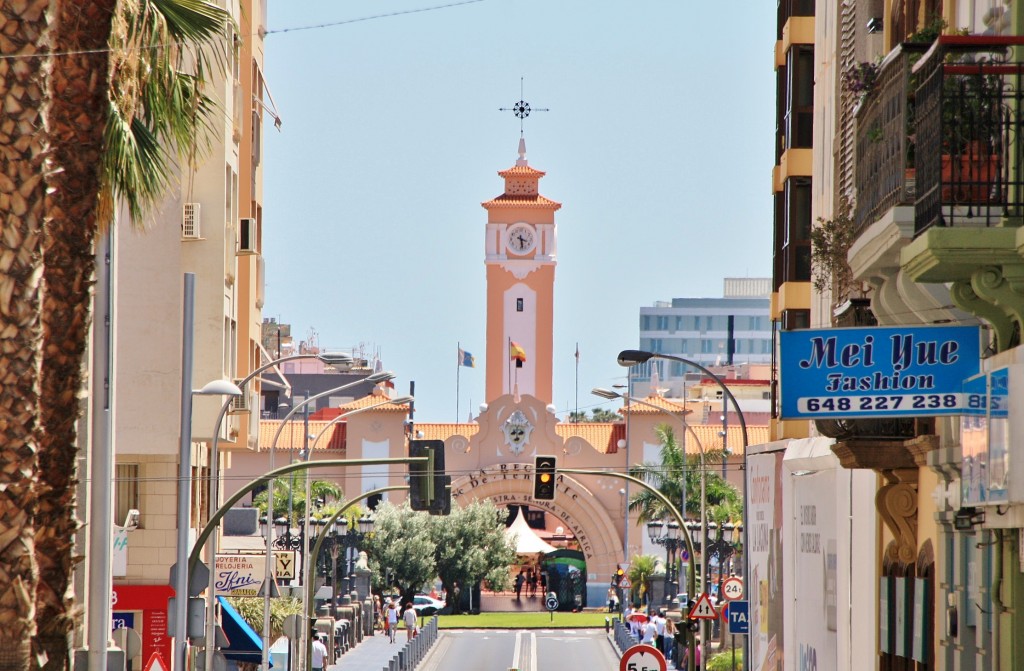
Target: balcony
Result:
[[885, 151], [967, 150]]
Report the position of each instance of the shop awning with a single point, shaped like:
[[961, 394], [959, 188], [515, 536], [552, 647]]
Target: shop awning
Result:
[[245, 645], [807, 455]]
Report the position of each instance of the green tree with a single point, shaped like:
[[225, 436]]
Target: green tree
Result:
[[596, 415], [251, 611], [667, 476], [401, 545], [114, 121], [470, 546], [290, 497], [640, 574]]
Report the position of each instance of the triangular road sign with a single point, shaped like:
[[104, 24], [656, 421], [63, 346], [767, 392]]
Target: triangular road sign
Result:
[[702, 610], [156, 663], [625, 583]]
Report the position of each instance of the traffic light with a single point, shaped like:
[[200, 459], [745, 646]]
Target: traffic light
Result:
[[427, 482], [618, 576], [544, 478]]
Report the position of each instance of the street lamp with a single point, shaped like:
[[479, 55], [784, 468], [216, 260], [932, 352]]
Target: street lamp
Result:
[[269, 574], [345, 541], [632, 357], [211, 622], [667, 535]]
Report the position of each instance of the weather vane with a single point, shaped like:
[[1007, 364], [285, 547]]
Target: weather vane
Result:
[[522, 108]]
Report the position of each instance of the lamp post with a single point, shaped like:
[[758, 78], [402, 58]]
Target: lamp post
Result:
[[667, 534], [269, 574], [184, 507], [211, 622], [681, 416], [632, 357], [345, 541]]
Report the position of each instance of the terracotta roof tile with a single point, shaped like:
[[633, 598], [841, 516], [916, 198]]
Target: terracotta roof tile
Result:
[[374, 399], [521, 171], [291, 436], [645, 408], [603, 436], [442, 431], [505, 200]]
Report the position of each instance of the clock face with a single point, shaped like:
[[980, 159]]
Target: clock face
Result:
[[521, 239]]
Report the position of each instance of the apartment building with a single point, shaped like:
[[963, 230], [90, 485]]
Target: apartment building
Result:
[[913, 191]]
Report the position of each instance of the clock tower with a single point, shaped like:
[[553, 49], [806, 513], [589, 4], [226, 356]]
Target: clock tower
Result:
[[520, 258]]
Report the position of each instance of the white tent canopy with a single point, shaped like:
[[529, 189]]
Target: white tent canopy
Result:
[[526, 540]]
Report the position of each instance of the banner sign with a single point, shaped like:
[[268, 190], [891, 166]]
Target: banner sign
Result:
[[239, 575], [898, 371]]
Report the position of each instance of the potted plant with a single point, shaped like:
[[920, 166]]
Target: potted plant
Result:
[[972, 122]]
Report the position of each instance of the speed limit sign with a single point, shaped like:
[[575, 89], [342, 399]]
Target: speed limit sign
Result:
[[732, 588], [642, 658]]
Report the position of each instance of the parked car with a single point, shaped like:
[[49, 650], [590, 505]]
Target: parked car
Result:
[[425, 605]]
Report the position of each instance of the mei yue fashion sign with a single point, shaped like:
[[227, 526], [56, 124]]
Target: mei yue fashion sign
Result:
[[877, 371]]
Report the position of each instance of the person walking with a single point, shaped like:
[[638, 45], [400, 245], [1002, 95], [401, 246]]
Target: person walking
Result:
[[410, 621], [669, 642], [392, 619], [531, 578], [319, 658], [520, 579], [650, 634], [659, 627]]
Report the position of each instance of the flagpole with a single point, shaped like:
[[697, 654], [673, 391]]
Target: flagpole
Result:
[[458, 377], [508, 363], [577, 381]]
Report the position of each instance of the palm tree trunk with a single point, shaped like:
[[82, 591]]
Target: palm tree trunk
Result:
[[77, 118], [24, 94]]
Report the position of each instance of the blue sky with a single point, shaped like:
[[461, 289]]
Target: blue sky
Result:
[[658, 145]]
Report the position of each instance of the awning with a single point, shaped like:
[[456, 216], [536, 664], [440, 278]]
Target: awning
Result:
[[806, 455], [526, 540], [244, 645]]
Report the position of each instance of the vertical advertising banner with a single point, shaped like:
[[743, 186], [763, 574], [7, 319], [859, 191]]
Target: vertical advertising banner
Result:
[[764, 487], [814, 557]]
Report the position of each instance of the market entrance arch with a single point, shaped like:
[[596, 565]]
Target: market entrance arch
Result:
[[575, 505]]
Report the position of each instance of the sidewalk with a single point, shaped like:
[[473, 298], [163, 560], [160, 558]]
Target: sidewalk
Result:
[[371, 654]]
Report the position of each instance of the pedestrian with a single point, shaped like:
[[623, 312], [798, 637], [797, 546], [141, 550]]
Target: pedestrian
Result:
[[392, 619], [319, 657], [531, 579], [456, 604], [670, 640], [520, 579], [377, 623], [410, 621], [543, 582], [650, 634], [658, 618]]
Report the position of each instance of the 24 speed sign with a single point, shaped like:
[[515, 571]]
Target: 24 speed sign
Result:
[[642, 658]]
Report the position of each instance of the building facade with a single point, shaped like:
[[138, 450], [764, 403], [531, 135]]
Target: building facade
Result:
[[913, 185]]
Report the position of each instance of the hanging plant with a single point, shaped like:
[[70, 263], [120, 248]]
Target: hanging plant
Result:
[[830, 242], [860, 79]]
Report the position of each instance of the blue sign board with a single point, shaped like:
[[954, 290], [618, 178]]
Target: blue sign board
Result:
[[878, 371], [739, 617], [122, 620]]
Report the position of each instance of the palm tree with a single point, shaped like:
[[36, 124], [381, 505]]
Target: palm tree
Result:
[[641, 571], [116, 119], [667, 476], [24, 88]]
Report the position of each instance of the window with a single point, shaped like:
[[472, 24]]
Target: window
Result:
[[519, 305], [126, 491], [799, 122]]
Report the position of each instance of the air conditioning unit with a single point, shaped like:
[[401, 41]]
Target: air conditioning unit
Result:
[[247, 236], [190, 221], [241, 404]]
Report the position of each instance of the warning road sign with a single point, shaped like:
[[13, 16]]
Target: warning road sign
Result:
[[703, 610], [625, 584], [156, 663]]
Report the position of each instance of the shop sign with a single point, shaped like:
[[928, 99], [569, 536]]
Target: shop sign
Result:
[[877, 371]]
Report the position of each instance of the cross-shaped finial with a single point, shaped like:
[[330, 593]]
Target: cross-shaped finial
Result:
[[522, 108]]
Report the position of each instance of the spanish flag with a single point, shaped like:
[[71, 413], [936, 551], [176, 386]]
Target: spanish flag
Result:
[[516, 352]]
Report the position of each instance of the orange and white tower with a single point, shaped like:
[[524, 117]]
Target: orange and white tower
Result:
[[520, 256]]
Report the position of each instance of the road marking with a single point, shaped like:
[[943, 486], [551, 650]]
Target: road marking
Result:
[[533, 651], [515, 653]]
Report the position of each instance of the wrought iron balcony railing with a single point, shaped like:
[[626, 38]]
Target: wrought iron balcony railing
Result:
[[885, 148], [967, 147]]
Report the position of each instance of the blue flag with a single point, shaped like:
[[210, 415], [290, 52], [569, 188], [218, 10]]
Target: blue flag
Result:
[[466, 359]]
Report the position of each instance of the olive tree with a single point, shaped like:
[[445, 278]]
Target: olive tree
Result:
[[470, 546], [401, 549]]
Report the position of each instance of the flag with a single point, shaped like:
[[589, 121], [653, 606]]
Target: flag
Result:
[[577, 353], [516, 352], [466, 359]]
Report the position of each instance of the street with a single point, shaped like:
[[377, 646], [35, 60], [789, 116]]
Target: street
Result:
[[525, 650]]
